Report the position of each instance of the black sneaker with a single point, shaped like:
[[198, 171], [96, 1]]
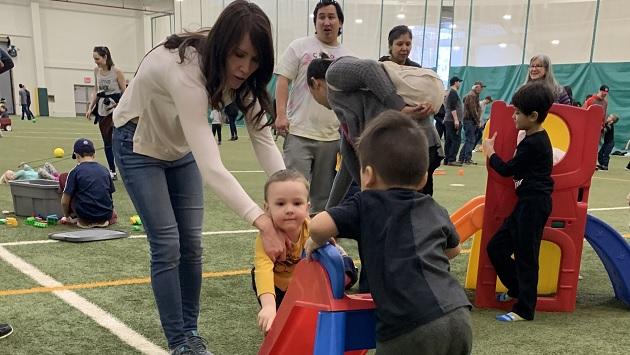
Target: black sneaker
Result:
[[470, 162], [5, 330], [198, 344], [455, 163], [184, 349], [603, 168]]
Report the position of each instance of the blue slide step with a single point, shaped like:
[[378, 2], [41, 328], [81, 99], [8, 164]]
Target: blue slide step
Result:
[[614, 252]]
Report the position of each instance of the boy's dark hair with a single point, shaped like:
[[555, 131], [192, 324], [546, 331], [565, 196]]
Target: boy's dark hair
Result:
[[317, 68], [534, 96], [323, 3], [285, 175], [396, 148]]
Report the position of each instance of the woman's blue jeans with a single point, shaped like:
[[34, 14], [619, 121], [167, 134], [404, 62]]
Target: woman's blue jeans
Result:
[[168, 196]]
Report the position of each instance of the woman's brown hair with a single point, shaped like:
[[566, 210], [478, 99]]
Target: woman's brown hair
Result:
[[214, 45]]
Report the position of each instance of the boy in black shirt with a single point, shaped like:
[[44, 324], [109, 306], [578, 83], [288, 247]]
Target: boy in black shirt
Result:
[[522, 230], [405, 241]]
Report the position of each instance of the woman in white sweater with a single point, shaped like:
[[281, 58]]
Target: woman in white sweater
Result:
[[165, 151]]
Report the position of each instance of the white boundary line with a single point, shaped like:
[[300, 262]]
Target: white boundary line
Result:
[[135, 236], [100, 316], [609, 208]]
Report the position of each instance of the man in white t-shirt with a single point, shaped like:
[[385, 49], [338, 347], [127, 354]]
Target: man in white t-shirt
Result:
[[311, 131]]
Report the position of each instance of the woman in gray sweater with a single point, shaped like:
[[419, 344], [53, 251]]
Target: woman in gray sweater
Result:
[[358, 90]]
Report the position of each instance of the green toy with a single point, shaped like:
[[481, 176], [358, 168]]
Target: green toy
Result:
[[40, 224]]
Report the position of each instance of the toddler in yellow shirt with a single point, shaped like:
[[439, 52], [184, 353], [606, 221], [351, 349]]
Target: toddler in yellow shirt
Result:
[[287, 202]]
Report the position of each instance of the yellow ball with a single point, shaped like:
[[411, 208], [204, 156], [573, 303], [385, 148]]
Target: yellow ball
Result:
[[58, 152]]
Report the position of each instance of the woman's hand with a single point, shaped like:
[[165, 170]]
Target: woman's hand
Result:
[[419, 112], [275, 242]]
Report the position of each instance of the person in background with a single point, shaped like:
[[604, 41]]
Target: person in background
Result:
[[216, 118], [608, 134], [572, 100], [25, 102], [540, 69], [231, 112], [453, 122], [439, 121], [472, 122], [311, 131], [400, 41], [165, 154], [601, 98], [109, 85]]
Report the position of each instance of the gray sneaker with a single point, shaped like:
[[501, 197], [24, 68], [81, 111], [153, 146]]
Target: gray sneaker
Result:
[[184, 349], [199, 344]]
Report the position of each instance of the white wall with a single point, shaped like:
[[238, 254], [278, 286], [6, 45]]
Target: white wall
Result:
[[68, 34], [16, 23]]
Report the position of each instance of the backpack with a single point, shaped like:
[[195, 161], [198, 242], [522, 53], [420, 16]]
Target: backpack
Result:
[[416, 85]]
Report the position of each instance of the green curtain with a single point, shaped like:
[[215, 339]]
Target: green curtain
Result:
[[584, 79]]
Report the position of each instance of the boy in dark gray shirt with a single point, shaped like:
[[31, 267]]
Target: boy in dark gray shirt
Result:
[[405, 241]]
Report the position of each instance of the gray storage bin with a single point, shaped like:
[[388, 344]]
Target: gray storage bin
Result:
[[36, 197]]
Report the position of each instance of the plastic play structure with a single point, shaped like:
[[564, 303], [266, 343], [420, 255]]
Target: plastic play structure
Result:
[[574, 133], [316, 317]]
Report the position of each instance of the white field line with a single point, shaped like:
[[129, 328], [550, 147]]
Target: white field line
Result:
[[610, 208], [100, 316], [135, 236]]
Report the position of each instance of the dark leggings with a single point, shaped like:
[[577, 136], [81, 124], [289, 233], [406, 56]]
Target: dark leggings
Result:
[[434, 163], [106, 126], [521, 234], [216, 130]]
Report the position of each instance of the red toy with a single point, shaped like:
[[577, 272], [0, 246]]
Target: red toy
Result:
[[566, 224], [5, 124], [316, 317]]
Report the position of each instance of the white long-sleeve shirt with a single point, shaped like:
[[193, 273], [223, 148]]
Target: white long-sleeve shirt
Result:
[[170, 101]]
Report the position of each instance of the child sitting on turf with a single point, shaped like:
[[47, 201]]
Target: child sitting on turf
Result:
[[405, 241], [87, 195], [287, 202], [521, 232]]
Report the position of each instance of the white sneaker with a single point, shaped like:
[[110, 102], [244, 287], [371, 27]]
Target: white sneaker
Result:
[[113, 175]]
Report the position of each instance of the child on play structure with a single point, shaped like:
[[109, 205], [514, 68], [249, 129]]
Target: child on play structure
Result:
[[287, 202], [405, 242], [522, 230]]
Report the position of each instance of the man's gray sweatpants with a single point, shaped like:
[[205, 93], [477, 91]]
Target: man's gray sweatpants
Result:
[[316, 160]]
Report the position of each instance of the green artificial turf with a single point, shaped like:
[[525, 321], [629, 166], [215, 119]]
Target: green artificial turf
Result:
[[45, 324]]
